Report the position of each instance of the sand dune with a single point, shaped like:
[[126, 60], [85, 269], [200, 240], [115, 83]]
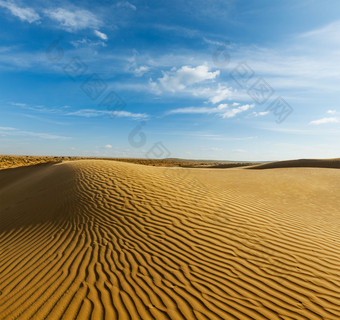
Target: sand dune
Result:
[[95, 239], [307, 163]]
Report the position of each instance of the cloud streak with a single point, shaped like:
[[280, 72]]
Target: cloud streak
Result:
[[91, 113], [126, 4], [24, 14], [73, 20], [100, 35], [325, 121], [16, 132], [223, 110]]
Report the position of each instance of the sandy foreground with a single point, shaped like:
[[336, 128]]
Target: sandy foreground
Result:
[[96, 239]]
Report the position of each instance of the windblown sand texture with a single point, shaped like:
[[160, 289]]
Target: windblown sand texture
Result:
[[309, 163], [95, 239]]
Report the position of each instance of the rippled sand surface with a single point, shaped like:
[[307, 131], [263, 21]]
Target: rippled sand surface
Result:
[[95, 239]]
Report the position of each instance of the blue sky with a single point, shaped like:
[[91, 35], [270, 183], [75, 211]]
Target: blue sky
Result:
[[227, 80]]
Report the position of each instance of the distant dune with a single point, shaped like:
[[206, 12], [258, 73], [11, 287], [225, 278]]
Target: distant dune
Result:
[[20, 161], [96, 239], [7, 161], [310, 163]]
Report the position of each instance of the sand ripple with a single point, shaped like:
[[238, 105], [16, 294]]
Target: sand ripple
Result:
[[111, 240]]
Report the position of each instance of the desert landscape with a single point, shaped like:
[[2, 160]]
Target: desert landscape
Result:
[[169, 160], [104, 239]]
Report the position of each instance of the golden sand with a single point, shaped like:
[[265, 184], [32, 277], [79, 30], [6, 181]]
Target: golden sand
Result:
[[95, 239]]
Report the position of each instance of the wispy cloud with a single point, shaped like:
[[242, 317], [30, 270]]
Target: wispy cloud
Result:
[[212, 42], [328, 33], [259, 114], [193, 110], [42, 119], [325, 121], [90, 113], [101, 35], [222, 110], [126, 4], [220, 93], [18, 104], [73, 20], [332, 112], [233, 112], [141, 70], [23, 13], [41, 109], [85, 42], [17, 132], [7, 129]]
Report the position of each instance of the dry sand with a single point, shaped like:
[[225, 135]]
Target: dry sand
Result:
[[94, 239]]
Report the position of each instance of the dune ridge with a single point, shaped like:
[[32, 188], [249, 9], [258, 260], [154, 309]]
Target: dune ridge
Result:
[[93, 239], [307, 163]]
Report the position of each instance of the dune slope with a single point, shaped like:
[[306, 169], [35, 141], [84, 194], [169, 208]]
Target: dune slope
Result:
[[95, 239], [305, 163]]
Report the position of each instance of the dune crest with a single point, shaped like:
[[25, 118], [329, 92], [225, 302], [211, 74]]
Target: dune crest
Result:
[[306, 163], [94, 239]]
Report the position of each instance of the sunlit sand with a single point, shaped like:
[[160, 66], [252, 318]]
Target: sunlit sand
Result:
[[96, 239]]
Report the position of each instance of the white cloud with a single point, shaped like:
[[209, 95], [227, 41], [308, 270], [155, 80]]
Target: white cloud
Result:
[[126, 4], [42, 135], [213, 42], [220, 94], [193, 110], [101, 35], [73, 20], [108, 146], [332, 112], [84, 42], [128, 114], [222, 110], [198, 82], [222, 106], [179, 79], [7, 128], [90, 113], [17, 104], [260, 114], [233, 112], [325, 120], [141, 70], [24, 14], [328, 33], [16, 132]]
